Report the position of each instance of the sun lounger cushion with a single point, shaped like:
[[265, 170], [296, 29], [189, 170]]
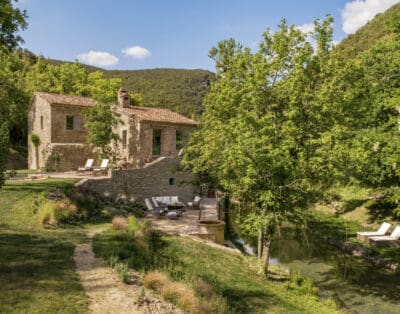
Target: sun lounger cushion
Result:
[[381, 231]]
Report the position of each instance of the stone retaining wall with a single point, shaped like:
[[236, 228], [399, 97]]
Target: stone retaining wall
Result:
[[160, 178]]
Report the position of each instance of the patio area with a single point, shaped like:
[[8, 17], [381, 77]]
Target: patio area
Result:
[[187, 224]]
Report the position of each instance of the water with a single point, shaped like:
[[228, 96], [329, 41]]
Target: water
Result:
[[356, 285]]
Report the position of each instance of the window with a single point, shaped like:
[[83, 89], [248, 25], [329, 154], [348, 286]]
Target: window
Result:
[[171, 181], [41, 122], [124, 138], [70, 122]]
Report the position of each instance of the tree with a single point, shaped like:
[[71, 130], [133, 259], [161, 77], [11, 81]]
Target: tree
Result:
[[11, 21], [364, 95], [261, 137], [35, 140], [100, 121]]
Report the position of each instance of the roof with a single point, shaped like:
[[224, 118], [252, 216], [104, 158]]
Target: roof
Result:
[[157, 115], [141, 113], [66, 100]]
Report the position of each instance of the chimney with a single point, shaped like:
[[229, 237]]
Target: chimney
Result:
[[123, 98]]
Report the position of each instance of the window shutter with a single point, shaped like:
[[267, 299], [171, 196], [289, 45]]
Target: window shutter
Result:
[[78, 123]]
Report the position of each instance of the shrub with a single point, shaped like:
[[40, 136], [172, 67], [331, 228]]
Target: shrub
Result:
[[203, 288], [53, 213], [301, 285], [182, 295], [133, 225], [119, 222], [123, 272], [47, 213], [155, 280]]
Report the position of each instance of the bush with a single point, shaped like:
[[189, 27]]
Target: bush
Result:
[[119, 223], [47, 213], [300, 284], [133, 225], [155, 280], [198, 297], [54, 213]]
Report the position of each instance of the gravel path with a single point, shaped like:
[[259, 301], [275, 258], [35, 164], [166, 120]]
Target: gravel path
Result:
[[107, 293]]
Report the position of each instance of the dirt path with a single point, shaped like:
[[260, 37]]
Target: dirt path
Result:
[[107, 293]]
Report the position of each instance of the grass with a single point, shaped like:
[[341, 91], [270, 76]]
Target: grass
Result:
[[350, 209], [232, 277], [37, 270]]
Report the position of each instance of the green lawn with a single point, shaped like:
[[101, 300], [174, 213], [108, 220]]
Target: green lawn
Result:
[[232, 276], [37, 271]]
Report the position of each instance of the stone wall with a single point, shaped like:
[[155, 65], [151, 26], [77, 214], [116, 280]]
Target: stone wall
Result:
[[71, 156], [59, 132], [39, 122], [153, 180]]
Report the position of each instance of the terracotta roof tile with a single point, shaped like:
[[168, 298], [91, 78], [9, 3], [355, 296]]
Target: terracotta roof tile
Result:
[[157, 115], [141, 113], [67, 100]]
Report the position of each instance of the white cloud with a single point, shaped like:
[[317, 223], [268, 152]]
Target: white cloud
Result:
[[136, 52], [358, 12], [97, 58], [306, 28]]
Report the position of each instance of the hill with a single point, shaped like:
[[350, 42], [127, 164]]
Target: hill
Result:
[[176, 89], [180, 90], [369, 34]]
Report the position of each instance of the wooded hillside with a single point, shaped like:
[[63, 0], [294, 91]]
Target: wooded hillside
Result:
[[369, 34], [180, 90]]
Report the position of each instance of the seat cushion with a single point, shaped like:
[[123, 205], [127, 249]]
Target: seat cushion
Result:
[[174, 199]]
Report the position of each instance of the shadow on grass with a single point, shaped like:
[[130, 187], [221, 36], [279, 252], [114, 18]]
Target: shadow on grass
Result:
[[37, 273], [380, 210], [351, 205], [252, 300]]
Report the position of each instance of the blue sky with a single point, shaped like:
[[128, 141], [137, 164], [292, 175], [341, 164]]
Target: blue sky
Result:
[[144, 34]]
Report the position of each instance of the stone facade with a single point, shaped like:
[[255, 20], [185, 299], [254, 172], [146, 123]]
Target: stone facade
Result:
[[59, 122], [162, 177]]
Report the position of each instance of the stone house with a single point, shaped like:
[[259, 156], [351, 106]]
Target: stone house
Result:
[[58, 120]]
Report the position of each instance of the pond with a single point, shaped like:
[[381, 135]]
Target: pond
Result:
[[356, 285]]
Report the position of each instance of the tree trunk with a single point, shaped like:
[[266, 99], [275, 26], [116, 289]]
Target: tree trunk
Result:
[[266, 251], [37, 157], [260, 244]]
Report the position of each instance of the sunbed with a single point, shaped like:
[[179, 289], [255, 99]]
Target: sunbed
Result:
[[393, 239], [383, 229]]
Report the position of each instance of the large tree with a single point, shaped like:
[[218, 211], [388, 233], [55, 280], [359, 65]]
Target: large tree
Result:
[[263, 136]]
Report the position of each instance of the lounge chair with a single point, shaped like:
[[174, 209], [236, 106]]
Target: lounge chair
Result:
[[394, 238], [103, 169], [88, 166], [383, 229], [157, 211]]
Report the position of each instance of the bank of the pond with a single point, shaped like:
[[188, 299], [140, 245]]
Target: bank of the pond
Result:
[[232, 277], [355, 284]]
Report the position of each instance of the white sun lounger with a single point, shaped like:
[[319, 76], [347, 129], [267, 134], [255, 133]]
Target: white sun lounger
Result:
[[88, 166], [383, 229], [394, 238]]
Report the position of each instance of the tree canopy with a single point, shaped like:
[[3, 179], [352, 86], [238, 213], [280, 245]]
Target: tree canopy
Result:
[[12, 20], [263, 136]]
